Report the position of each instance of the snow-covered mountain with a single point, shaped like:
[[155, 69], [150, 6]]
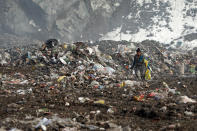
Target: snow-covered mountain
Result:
[[167, 21]]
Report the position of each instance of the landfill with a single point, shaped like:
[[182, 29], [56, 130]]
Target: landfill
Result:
[[90, 86]]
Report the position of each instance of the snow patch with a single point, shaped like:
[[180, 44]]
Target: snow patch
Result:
[[117, 4], [116, 35], [164, 31], [97, 4], [185, 45], [141, 2]]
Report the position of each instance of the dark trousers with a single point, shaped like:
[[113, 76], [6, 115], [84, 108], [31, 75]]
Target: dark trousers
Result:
[[140, 72]]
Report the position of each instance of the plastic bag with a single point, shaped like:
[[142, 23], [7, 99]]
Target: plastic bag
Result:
[[148, 74], [146, 63], [43, 123], [61, 78], [186, 99], [98, 67], [105, 70], [108, 70], [192, 69]]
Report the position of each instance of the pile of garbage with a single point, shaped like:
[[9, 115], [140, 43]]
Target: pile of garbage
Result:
[[162, 59], [91, 84], [109, 55]]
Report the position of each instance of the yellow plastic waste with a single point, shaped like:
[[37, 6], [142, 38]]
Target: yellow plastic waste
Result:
[[33, 67], [171, 72], [148, 75], [100, 102], [40, 65], [122, 84], [61, 78], [65, 46], [109, 57], [146, 62], [139, 98], [148, 72]]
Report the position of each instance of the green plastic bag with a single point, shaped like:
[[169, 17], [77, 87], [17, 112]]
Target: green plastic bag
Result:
[[192, 69]]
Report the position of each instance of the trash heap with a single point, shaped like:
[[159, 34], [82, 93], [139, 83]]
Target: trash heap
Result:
[[117, 55], [162, 59], [89, 86]]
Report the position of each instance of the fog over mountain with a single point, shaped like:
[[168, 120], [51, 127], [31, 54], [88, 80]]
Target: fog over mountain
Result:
[[166, 21]]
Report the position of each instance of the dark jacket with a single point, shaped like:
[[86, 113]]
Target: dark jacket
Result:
[[138, 61]]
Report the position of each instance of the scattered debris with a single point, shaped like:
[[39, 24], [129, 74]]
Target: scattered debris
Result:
[[85, 86]]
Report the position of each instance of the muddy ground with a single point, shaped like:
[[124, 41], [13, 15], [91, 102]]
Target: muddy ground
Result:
[[20, 110]]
